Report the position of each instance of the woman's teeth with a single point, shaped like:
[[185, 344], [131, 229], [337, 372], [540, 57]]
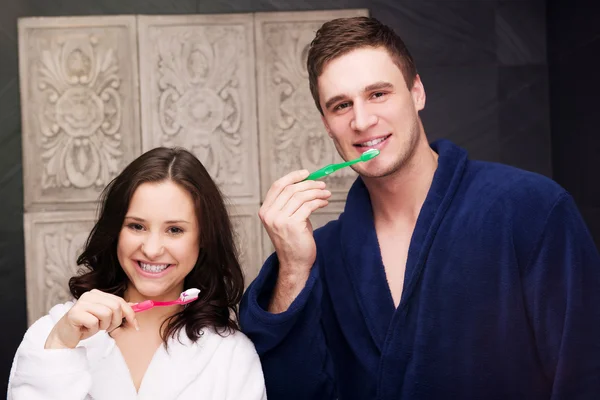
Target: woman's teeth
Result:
[[155, 268]]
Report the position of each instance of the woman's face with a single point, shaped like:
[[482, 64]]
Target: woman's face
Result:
[[159, 241]]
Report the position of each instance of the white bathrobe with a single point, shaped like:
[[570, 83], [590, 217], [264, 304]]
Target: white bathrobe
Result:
[[215, 367]]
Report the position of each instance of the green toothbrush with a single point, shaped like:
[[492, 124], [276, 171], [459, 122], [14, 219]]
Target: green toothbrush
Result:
[[320, 173]]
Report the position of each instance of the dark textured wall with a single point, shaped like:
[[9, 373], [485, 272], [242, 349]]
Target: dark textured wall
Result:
[[574, 57], [483, 63]]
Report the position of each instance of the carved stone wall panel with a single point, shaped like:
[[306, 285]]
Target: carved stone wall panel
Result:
[[79, 99], [53, 241], [247, 227], [292, 135], [198, 91], [317, 219]]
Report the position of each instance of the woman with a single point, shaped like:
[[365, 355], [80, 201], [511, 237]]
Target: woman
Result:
[[163, 228]]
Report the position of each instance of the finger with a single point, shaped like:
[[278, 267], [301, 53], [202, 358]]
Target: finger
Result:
[[85, 321], [300, 198], [94, 296], [305, 211], [116, 304], [279, 185], [129, 314], [122, 310], [102, 312], [110, 301], [292, 190], [116, 319]]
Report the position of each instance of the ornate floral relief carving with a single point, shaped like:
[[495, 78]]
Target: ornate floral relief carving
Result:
[[247, 229], [78, 78], [202, 94], [62, 249], [80, 120], [53, 243]]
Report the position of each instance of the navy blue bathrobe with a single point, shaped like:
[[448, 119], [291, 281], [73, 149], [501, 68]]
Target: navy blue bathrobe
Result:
[[501, 299]]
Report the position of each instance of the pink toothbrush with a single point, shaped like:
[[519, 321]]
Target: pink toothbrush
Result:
[[186, 297]]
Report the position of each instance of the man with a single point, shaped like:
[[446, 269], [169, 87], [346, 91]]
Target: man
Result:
[[444, 278]]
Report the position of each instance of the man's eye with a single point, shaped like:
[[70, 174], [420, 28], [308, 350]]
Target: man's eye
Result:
[[342, 106]]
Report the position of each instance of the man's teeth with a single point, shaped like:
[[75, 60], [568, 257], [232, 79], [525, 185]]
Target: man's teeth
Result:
[[372, 142], [153, 267]]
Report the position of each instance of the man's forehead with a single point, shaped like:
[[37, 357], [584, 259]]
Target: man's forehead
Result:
[[354, 72]]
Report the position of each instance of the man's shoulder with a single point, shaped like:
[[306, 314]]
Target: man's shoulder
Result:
[[495, 182]]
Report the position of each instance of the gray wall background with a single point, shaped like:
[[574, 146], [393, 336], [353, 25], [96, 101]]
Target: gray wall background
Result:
[[484, 64]]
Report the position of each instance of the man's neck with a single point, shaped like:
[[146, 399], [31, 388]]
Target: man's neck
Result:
[[398, 198]]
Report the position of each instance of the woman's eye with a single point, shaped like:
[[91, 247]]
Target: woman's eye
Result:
[[136, 227], [175, 230]]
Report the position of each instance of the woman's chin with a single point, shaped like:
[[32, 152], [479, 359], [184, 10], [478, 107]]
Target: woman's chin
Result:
[[152, 291]]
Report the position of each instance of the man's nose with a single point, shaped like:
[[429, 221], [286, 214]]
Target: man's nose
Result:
[[363, 117]]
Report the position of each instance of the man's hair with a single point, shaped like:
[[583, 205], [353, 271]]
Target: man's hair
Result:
[[342, 35]]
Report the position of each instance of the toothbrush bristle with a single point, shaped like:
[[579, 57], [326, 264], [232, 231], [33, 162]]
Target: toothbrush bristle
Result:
[[189, 295], [369, 154], [188, 300]]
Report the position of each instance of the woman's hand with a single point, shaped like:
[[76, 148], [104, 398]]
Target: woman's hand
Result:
[[94, 311]]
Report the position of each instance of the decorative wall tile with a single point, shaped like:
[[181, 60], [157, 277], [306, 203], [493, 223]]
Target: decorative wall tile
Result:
[[247, 227], [292, 135], [318, 219], [198, 91], [79, 99], [53, 241]]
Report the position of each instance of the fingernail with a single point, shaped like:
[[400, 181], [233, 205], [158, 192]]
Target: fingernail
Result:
[[136, 325]]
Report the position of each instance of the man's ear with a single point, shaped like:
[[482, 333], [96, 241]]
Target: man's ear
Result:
[[418, 93], [326, 125]]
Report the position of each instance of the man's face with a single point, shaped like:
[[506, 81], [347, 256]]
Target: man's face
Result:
[[367, 105]]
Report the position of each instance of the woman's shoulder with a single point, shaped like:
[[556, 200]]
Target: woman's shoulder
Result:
[[228, 337], [227, 341]]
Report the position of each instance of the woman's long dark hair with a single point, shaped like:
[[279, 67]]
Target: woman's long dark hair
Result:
[[217, 272]]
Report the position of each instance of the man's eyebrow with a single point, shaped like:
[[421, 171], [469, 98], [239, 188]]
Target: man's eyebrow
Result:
[[334, 100], [375, 86], [378, 86]]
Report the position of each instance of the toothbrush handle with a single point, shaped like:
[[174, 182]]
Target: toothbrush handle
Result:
[[148, 304], [320, 173], [329, 169], [143, 306], [166, 303]]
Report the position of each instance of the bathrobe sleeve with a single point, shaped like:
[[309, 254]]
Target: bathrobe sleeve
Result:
[[291, 345], [561, 291], [39, 373]]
